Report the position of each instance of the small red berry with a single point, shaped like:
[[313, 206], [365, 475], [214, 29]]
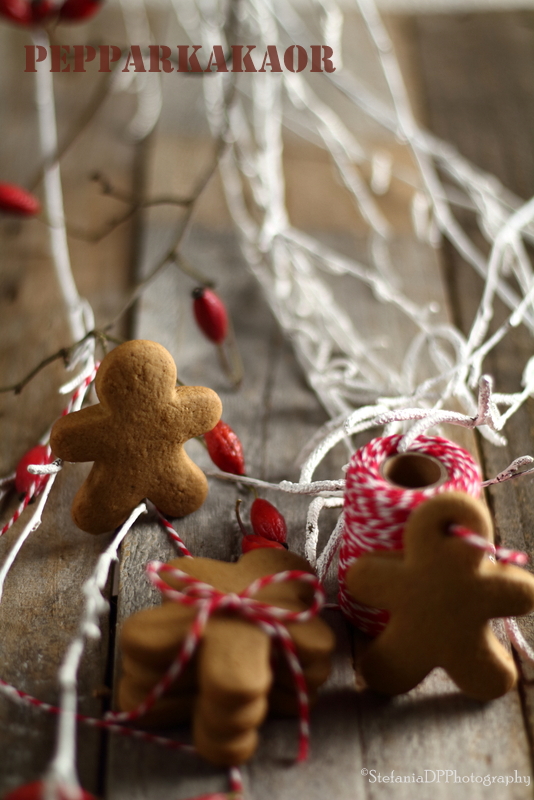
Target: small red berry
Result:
[[253, 542], [267, 521], [210, 314], [23, 478], [225, 449], [16, 11], [35, 791], [26, 12], [16, 200], [40, 9], [79, 10]]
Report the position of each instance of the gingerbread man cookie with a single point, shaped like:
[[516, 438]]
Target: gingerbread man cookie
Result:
[[229, 684], [441, 592], [135, 437]]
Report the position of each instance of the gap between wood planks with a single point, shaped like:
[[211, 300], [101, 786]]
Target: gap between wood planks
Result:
[[471, 81]]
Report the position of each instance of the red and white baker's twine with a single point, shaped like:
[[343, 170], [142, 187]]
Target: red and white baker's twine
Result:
[[270, 619], [503, 554], [234, 773], [376, 511], [94, 722], [173, 534], [30, 494]]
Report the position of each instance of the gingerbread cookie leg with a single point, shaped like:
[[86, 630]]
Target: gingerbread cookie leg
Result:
[[234, 677], [487, 672], [99, 506], [390, 667], [181, 487]]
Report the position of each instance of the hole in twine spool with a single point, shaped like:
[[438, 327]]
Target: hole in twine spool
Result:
[[414, 471]]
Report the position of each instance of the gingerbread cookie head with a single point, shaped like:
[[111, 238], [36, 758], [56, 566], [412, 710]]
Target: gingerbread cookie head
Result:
[[427, 533], [237, 672], [138, 369], [441, 592], [135, 438]]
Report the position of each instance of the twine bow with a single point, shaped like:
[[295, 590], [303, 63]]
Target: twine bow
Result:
[[270, 619]]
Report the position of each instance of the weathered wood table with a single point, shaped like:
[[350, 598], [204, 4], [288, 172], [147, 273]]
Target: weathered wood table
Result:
[[471, 78]]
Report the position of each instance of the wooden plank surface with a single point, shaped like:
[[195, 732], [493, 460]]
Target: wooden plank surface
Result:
[[432, 728]]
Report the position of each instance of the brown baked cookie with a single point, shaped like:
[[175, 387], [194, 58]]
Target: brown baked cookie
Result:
[[441, 592], [135, 437], [235, 660]]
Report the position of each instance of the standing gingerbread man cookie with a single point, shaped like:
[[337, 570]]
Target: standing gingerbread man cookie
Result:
[[135, 437], [441, 592]]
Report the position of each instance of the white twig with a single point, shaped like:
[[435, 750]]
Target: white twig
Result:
[[46, 114], [62, 772], [322, 488], [32, 525]]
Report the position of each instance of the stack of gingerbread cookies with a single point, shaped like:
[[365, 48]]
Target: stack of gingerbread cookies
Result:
[[237, 673]]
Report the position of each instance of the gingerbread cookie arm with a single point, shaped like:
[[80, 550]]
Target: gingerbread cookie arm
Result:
[[508, 591], [80, 436], [376, 579], [199, 409]]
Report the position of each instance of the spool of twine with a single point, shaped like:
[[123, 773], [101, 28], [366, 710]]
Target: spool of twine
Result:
[[383, 488]]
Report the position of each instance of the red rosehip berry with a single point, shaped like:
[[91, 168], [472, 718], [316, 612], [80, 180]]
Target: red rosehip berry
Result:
[[23, 478], [35, 791], [40, 10], [225, 449], [79, 10], [16, 11], [26, 12], [253, 542], [16, 200], [267, 521], [210, 314]]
